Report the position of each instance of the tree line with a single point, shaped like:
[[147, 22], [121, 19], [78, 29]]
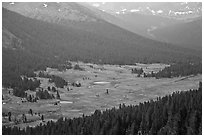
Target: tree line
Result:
[[25, 84], [174, 70], [180, 69], [20, 63], [59, 82]]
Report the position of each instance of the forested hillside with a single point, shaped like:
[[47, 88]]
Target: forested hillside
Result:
[[179, 113]]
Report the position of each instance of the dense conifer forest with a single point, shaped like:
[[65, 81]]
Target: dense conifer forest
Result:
[[59, 82], [21, 63], [179, 113], [180, 69], [174, 70]]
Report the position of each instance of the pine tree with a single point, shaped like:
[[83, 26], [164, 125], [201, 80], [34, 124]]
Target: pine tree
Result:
[[30, 111], [42, 117], [58, 95], [9, 116]]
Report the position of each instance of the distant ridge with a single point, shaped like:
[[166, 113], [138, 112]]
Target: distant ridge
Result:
[[99, 42]]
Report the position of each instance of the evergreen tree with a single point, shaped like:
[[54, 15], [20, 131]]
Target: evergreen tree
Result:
[[30, 111], [58, 95]]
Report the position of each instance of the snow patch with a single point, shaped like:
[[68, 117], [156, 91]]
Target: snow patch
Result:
[[123, 10], [190, 12], [147, 8], [96, 5], [134, 10], [12, 3], [179, 13], [183, 3], [117, 12], [170, 12], [160, 11], [45, 5], [153, 12], [187, 7]]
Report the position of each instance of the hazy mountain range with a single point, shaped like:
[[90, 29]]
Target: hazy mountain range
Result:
[[148, 19], [179, 10], [80, 31]]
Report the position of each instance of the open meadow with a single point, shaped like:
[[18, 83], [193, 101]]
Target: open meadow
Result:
[[102, 87]]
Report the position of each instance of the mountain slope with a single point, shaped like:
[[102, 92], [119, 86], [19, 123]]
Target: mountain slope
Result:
[[134, 22], [30, 44], [52, 12], [9, 40], [160, 21], [104, 43], [184, 34], [83, 16], [179, 10]]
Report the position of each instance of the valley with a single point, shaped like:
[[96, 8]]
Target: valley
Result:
[[101, 68], [102, 87]]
